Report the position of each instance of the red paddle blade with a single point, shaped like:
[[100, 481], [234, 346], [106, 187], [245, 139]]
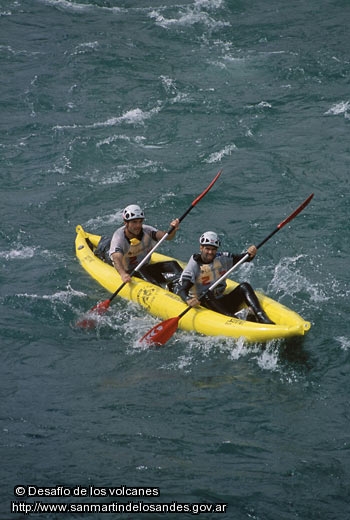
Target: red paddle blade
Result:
[[101, 307], [207, 189], [161, 333], [90, 322], [86, 323], [296, 212]]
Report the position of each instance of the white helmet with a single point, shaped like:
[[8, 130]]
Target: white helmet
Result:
[[132, 212], [209, 238]]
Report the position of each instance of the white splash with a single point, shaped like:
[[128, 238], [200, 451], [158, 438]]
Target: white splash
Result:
[[240, 349], [60, 296], [64, 4], [339, 108], [196, 14], [112, 139], [105, 220], [217, 156], [287, 279], [135, 116], [344, 342], [75, 7], [20, 252], [82, 48], [168, 83], [268, 360]]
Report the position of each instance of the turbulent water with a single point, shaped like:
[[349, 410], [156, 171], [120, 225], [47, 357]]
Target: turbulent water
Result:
[[107, 103]]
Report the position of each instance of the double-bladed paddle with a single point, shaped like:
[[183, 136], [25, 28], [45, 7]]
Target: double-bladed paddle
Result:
[[162, 332], [102, 307]]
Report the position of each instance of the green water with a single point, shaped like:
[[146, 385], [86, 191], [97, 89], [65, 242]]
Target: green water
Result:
[[107, 103]]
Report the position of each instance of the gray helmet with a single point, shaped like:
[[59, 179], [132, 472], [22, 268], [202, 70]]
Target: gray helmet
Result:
[[209, 238], [132, 212]]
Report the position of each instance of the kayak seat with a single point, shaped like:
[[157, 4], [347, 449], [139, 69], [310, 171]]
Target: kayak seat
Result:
[[102, 250]]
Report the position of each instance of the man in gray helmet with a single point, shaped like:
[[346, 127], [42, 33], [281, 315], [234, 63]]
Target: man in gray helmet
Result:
[[207, 266], [133, 241]]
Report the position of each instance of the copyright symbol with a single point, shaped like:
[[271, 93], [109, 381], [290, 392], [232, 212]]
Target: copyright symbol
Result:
[[20, 491]]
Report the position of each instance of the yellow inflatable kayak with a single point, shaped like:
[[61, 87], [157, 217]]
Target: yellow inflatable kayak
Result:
[[162, 303]]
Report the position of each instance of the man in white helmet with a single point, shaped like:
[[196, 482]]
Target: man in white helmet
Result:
[[204, 268], [133, 241]]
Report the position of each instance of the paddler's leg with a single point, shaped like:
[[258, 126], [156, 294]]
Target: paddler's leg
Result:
[[151, 273], [222, 305], [252, 301], [161, 273]]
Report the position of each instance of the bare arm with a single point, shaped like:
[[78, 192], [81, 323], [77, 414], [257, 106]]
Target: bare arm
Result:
[[185, 286], [117, 259]]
